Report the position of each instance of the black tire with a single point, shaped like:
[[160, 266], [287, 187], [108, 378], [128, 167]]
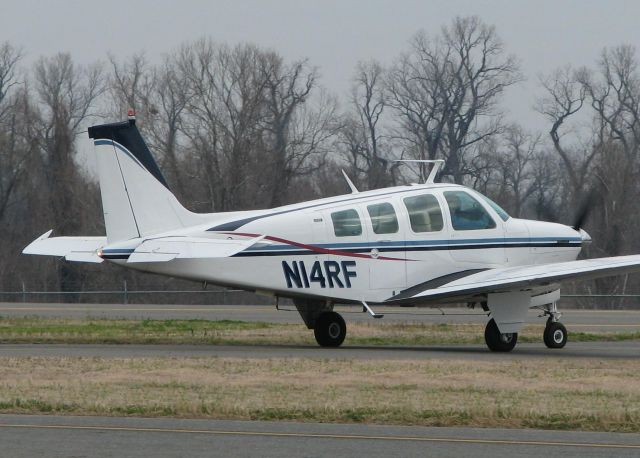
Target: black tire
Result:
[[555, 334], [330, 329], [497, 341]]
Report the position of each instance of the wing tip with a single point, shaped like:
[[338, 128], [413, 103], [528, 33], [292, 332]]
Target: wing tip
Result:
[[29, 249]]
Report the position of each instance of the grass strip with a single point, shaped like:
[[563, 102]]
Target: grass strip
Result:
[[568, 394], [68, 331]]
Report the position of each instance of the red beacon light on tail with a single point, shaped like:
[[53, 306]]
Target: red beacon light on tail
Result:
[[131, 114]]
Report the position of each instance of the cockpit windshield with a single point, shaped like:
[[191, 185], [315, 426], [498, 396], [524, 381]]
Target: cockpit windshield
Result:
[[498, 209]]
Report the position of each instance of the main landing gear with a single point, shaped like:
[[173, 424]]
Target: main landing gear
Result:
[[328, 326], [330, 329], [555, 334], [497, 341]]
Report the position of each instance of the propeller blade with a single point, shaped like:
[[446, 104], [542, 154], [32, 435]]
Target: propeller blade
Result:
[[584, 209]]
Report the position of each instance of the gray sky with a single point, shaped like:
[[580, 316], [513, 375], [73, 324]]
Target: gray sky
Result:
[[333, 34]]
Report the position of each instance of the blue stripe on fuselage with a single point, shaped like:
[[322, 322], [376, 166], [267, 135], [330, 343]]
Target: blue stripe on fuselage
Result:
[[537, 241], [395, 246]]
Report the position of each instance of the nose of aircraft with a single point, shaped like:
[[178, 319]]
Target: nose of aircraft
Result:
[[584, 235]]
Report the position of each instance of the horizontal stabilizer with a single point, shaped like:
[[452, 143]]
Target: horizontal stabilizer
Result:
[[167, 248], [77, 249]]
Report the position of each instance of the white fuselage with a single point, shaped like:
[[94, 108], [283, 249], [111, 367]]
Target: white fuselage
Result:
[[315, 249]]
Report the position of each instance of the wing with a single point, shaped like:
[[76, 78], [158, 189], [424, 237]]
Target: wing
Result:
[[167, 248], [79, 249], [473, 283]]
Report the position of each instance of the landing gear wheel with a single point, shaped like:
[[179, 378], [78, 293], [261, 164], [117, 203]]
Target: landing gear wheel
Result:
[[497, 341], [330, 329], [555, 334]]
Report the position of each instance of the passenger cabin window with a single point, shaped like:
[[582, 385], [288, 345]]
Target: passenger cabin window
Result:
[[467, 214], [346, 223], [424, 213], [383, 218]]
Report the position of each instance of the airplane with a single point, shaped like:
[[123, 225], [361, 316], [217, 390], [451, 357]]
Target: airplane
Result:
[[415, 245]]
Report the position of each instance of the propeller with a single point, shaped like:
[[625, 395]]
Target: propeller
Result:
[[584, 209]]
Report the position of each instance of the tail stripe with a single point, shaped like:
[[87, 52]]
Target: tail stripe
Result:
[[121, 148]]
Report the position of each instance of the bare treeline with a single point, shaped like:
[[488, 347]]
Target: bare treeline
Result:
[[239, 127]]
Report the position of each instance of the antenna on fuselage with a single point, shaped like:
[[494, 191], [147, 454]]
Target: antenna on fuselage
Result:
[[352, 186], [437, 164]]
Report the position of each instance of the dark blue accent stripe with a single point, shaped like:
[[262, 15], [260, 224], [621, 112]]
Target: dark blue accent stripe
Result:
[[538, 241], [117, 250], [390, 247], [283, 250]]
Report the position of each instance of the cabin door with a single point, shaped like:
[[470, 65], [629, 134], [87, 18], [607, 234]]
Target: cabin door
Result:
[[385, 228]]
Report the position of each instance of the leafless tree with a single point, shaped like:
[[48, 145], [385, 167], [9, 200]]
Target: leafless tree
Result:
[[252, 123], [602, 166], [445, 92], [310, 136], [512, 158], [131, 84], [291, 133], [67, 95], [224, 118], [158, 94], [10, 56], [18, 145], [15, 144], [168, 104], [614, 95], [564, 96], [361, 139]]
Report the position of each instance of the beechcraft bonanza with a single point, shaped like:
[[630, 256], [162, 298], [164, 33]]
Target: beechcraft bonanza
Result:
[[423, 244]]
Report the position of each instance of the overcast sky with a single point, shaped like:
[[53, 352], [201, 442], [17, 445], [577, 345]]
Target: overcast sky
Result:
[[333, 34]]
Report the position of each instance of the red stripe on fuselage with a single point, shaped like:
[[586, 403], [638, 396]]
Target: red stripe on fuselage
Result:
[[317, 249]]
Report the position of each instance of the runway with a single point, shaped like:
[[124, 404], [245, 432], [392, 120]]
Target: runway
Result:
[[576, 320], [64, 436], [599, 350]]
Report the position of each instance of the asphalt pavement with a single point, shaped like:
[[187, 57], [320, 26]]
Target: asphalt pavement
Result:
[[576, 320], [594, 350], [23, 436]]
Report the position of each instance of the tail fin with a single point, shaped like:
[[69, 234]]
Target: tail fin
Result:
[[135, 198]]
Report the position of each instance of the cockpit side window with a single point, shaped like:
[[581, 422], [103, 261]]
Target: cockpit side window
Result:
[[424, 213], [346, 223], [383, 218], [467, 214]]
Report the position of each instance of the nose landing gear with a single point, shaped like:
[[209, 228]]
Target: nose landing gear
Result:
[[555, 334]]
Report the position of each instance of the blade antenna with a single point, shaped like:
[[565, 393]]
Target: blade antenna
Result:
[[437, 164], [352, 186]]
